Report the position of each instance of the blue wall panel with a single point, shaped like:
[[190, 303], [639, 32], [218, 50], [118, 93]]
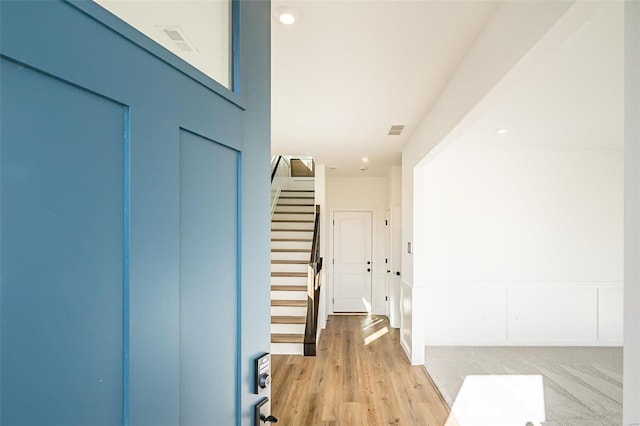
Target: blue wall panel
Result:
[[62, 219]]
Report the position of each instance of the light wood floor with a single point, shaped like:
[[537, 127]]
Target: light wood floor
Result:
[[353, 383]]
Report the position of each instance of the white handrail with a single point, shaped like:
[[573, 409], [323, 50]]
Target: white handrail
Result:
[[280, 180]]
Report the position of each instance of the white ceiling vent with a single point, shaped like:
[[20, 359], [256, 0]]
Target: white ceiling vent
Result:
[[179, 39], [396, 129]]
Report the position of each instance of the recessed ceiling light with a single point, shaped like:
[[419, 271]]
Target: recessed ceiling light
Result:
[[365, 159], [287, 18], [501, 131], [363, 168], [286, 15]]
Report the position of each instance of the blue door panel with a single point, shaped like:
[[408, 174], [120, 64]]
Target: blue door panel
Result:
[[208, 302], [119, 229], [62, 220]]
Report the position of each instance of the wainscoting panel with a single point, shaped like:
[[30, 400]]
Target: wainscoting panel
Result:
[[610, 313], [473, 314], [552, 313], [523, 313]]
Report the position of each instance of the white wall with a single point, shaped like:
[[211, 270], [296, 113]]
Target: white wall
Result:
[[513, 30], [521, 247], [320, 195], [631, 388], [366, 193], [394, 186]]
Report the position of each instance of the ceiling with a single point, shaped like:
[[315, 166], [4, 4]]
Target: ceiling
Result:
[[574, 99], [347, 71]]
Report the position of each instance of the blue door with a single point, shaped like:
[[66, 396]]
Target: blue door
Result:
[[134, 204]]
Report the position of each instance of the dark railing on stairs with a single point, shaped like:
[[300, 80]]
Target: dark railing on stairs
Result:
[[313, 290], [275, 168]]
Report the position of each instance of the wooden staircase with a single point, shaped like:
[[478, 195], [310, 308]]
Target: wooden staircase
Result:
[[291, 240]]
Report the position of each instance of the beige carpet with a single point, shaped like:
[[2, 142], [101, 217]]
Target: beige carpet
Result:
[[582, 385]]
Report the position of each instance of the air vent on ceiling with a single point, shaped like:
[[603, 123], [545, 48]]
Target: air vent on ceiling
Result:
[[179, 39], [396, 129]]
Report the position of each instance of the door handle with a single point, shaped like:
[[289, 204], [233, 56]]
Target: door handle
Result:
[[398, 273], [268, 419], [368, 269], [368, 262], [388, 271]]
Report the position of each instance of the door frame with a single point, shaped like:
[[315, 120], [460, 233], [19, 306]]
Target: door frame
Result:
[[395, 264], [387, 261], [331, 279]]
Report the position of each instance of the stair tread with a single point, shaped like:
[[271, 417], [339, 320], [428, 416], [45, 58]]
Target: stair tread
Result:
[[281, 319], [299, 202], [284, 287], [288, 274], [292, 221], [289, 302], [287, 338], [294, 212], [295, 197]]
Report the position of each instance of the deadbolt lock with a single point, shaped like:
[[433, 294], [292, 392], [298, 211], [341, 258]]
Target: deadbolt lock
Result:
[[264, 380], [263, 374]]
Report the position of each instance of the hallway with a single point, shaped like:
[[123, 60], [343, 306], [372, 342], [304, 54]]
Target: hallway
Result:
[[359, 377]]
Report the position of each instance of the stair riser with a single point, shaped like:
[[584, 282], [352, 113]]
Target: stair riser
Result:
[[282, 213], [292, 234], [292, 193], [302, 184], [288, 295], [289, 267], [291, 244], [283, 209], [293, 216], [297, 201], [289, 310], [280, 255], [287, 349], [304, 204], [289, 281], [288, 328], [292, 225]]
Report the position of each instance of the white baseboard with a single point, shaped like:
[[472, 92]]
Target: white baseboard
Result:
[[405, 348], [592, 343]]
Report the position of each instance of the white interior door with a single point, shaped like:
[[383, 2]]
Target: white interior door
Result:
[[352, 264]]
